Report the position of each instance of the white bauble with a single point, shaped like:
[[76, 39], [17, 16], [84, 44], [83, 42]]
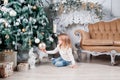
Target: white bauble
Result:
[[42, 45], [4, 9], [9, 26], [30, 19], [29, 6], [2, 20], [17, 23], [13, 42], [37, 40], [18, 20], [12, 13], [6, 24]]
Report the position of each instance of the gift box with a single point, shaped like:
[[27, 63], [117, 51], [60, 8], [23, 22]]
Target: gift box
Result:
[[23, 67], [9, 56], [6, 69]]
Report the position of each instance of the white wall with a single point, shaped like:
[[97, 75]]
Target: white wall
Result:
[[115, 8]]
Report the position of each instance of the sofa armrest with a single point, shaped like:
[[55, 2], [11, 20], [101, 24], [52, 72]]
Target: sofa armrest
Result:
[[83, 34]]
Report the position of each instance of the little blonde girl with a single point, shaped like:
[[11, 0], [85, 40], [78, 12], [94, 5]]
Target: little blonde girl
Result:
[[64, 48]]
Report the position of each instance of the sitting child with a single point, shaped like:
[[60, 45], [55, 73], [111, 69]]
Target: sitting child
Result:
[[64, 48]]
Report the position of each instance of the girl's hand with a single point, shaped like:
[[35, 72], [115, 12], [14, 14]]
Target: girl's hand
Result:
[[74, 66], [43, 50]]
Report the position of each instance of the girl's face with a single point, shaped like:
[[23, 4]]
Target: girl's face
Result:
[[59, 41]]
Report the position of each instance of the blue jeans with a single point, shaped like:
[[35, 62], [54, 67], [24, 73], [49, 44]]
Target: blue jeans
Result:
[[59, 62]]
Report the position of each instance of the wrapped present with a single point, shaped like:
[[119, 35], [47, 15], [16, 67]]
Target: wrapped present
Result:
[[23, 67], [9, 56], [6, 69]]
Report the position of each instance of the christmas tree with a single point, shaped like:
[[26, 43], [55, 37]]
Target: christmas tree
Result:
[[23, 22]]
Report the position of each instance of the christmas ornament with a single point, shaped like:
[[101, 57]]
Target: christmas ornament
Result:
[[12, 13], [6, 24], [13, 42], [2, 20], [7, 36], [17, 23], [18, 20], [5, 2], [34, 7], [23, 30], [30, 19], [92, 5], [42, 46], [4, 9], [84, 6], [9, 26], [37, 40]]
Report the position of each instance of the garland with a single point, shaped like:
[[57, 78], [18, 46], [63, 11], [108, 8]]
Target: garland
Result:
[[76, 5]]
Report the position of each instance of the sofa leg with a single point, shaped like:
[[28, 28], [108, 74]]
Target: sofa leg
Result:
[[113, 59], [79, 55], [88, 57]]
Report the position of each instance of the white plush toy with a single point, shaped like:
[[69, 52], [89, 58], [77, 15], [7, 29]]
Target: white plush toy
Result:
[[32, 59], [41, 51]]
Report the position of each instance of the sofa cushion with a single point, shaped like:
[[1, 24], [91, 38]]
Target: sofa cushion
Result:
[[116, 43], [94, 42]]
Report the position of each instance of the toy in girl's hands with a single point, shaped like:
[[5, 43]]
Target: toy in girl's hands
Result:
[[42, 51], [42, 47]]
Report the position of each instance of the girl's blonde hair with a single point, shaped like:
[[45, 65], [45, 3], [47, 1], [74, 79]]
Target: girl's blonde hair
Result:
[[66, 43]]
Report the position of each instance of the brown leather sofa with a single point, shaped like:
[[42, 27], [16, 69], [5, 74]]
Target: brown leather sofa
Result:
[[102, 36]]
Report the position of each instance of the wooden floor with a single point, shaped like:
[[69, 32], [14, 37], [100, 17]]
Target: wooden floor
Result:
[[97, 69]]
